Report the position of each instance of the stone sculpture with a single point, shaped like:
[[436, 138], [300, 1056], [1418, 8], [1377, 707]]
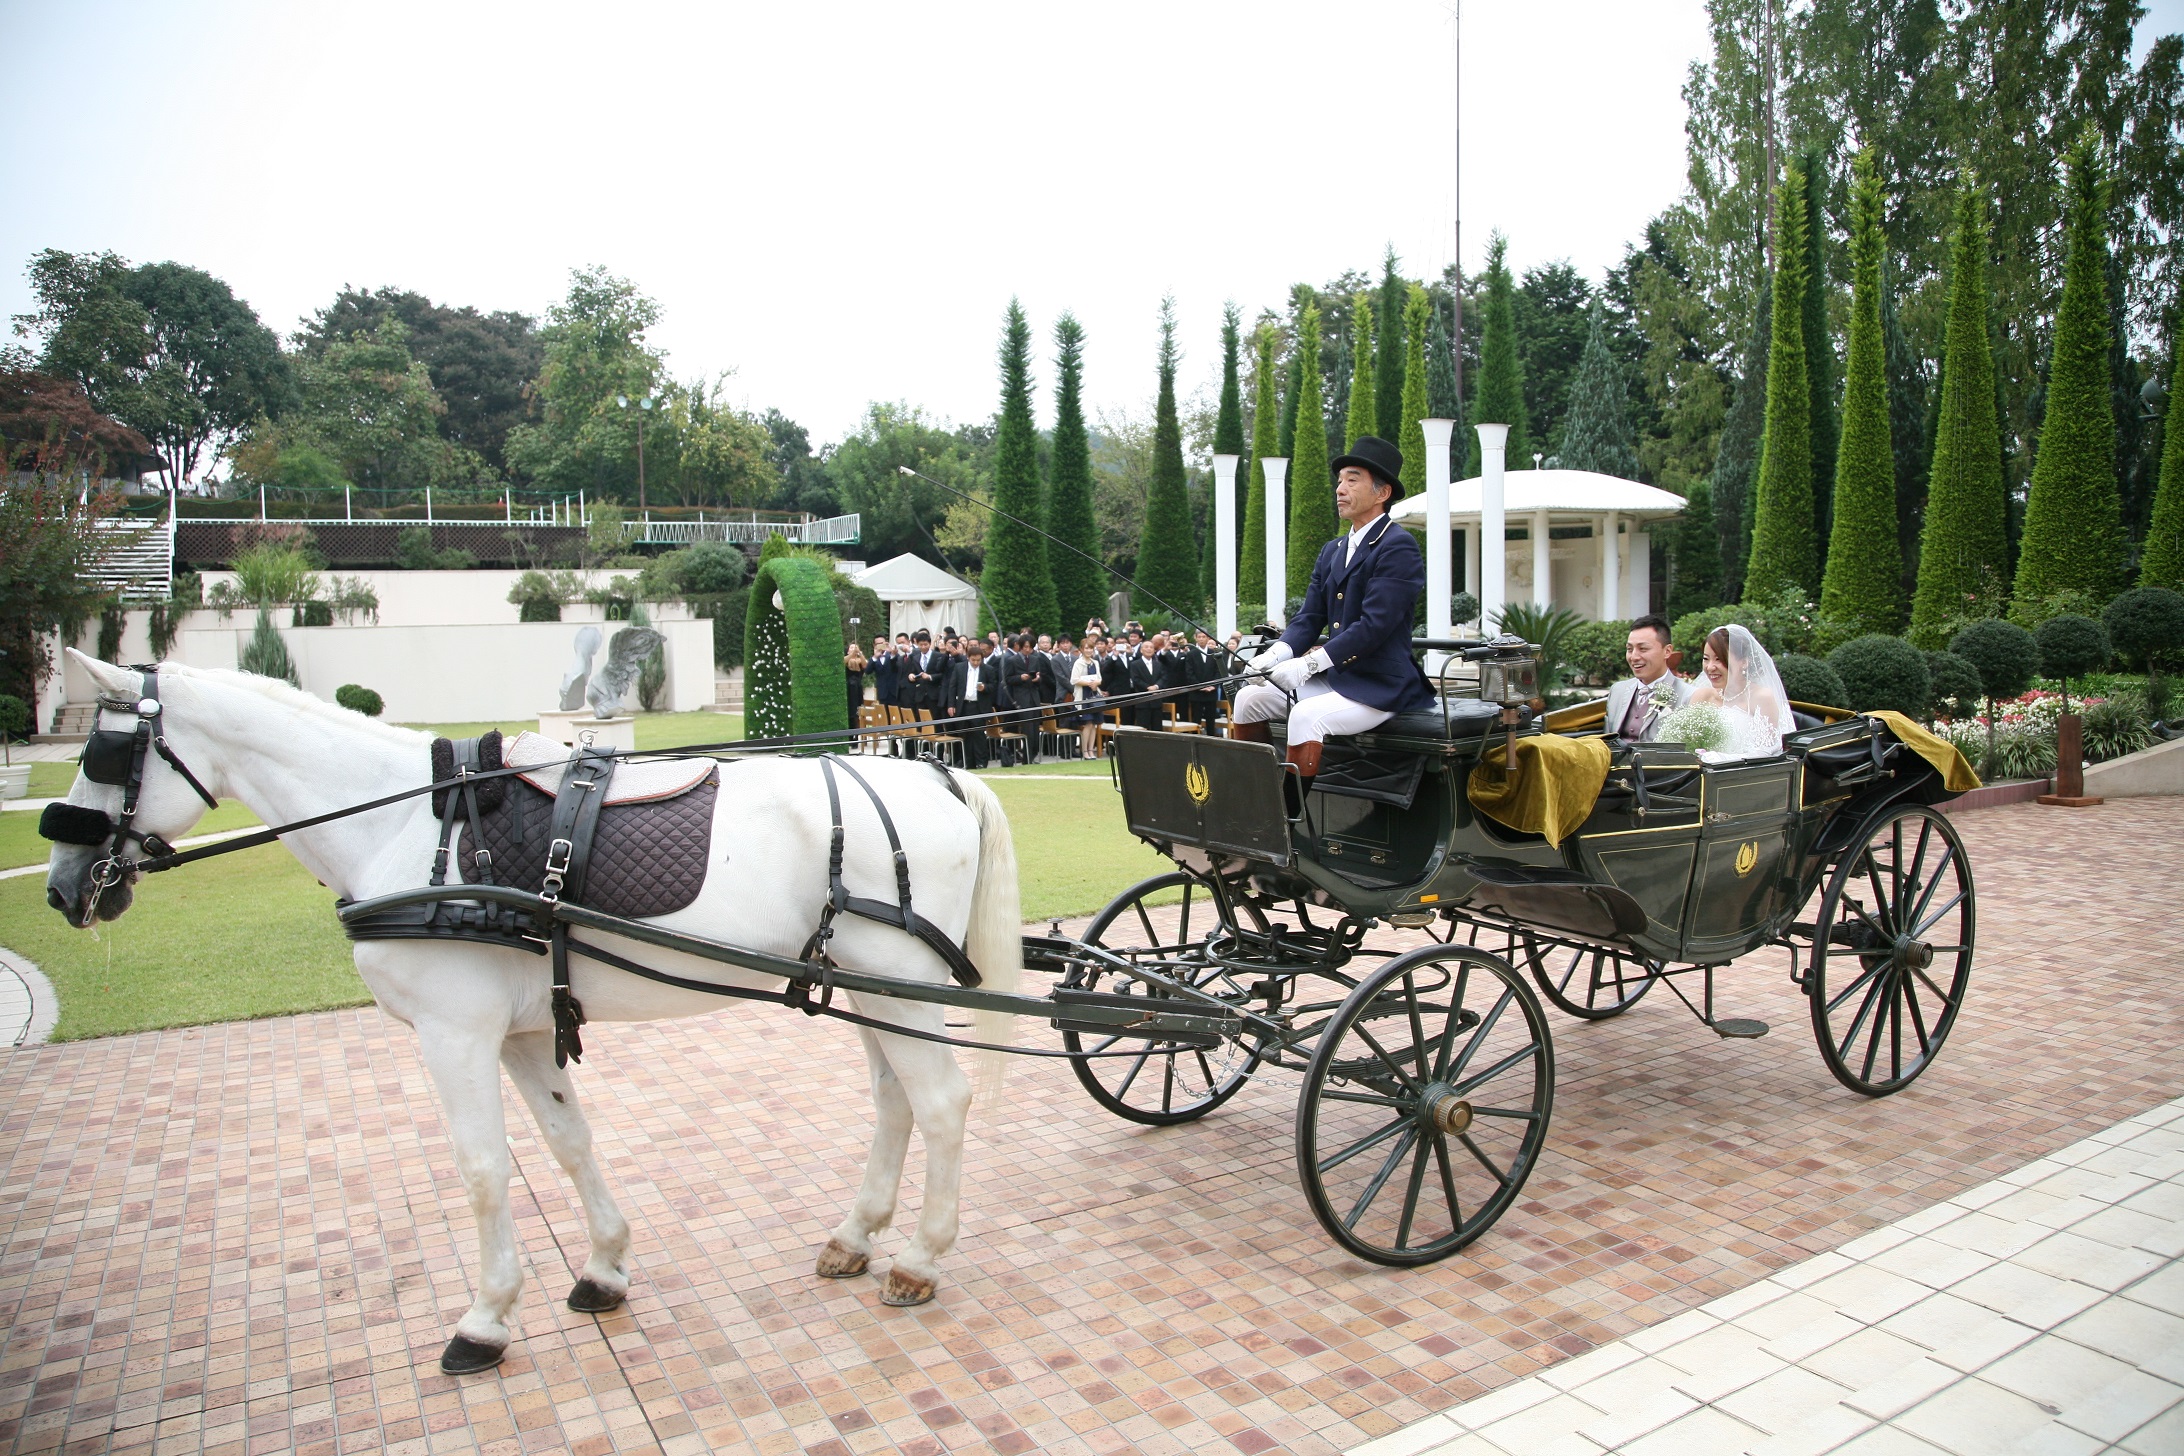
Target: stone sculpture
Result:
[[626, 654], [573, 681]]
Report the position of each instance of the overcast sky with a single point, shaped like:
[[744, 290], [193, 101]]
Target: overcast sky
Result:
[[837, 201]]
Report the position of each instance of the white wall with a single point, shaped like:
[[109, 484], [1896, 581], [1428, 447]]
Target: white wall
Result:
[[463, 598]]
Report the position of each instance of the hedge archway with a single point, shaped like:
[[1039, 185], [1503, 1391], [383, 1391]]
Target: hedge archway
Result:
[[795, 682]]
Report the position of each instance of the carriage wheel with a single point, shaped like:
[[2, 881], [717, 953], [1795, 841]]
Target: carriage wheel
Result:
[[1589, 981], [1425, 1106], [1892, 950], [1162, 1084]]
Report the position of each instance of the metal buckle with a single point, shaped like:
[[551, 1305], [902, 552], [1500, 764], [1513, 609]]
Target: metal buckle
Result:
[[558, 855]]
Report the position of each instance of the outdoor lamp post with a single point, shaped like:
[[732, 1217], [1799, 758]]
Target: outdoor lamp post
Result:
[[644, 407]]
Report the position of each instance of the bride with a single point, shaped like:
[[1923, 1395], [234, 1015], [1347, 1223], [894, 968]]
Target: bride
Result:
[[1742, 683]]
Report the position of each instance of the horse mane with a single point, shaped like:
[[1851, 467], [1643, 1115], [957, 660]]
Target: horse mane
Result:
[[282, 693]]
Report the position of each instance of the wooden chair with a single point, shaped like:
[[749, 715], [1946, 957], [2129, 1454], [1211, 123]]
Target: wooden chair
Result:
[[928, 733], [1176, 724], [1054, 741], [1110, 720], [1005, 737]]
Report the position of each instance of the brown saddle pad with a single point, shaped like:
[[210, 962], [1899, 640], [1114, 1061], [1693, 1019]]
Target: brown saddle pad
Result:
[[647, 858]]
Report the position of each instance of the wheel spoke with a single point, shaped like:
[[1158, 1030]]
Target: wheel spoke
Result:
[[1485, 1162], [1167, 1084], [1884, 904], [1448, 1182], [1479, 1034], [1456, 995], [1152, 938], [1369, 1099], [1854, 987], [1515, 1113], [1417, 1027], [1135, 1068], [1876, 981], [1948, 1003], [1183, 936], [1370, 1140], [1918, 1022], [1410, 1194], [1878, 1003], [1935, 919], [1482, 1078], [1402, 1078], [1941, 868], [1380, 1179]]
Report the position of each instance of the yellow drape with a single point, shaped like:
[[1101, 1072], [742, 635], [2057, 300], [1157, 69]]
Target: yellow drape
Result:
[[1552, 788], [1957, 775]]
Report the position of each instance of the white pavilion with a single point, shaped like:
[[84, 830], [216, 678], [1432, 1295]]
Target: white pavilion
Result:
[[1558, 525]]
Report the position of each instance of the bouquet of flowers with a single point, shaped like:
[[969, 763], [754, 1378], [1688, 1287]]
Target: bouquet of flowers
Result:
[[1697, 726]]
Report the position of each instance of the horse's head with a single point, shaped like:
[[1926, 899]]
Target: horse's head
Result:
[[89, 876]]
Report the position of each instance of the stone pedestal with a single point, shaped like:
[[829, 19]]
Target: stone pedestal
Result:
[[569, 728]]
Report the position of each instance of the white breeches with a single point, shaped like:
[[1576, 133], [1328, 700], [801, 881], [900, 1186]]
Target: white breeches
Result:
[[1319, 711]]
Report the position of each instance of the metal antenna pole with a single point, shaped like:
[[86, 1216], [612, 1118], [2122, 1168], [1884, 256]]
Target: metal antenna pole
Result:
[[1457, 344]]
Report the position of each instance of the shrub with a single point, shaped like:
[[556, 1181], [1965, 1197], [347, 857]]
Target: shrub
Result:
[[1880, 671], [312, 614], [539, 596], [2071, 646], [2002, 653], [359, 700], [2114, 728], [2020, 753], [1809, 680], [726, 612], [414, 551], [1594, 651], [275, 573], [2146, 627], [1954, 688], [796, 682], [1548, 629], [1463, 607], [265, 653]]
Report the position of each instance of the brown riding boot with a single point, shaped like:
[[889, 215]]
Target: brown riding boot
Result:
[[1306, 757], [1250, 732]]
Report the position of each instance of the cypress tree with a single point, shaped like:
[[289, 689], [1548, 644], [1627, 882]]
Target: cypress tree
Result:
[[1408, 437], [1596, 433], [1167, 562], [1964, 544], [1783, 553], [1080, 586], [1736, 459], [1311, 487], [1393, 364], [1265, 442], [1499, 397], [1016, 579], [1819, 346], [1907, 432], [1863, 584], [2162, 561], [1364, 415], [1695, 549], [1441, 400], [1293, 384], [2073, 539]]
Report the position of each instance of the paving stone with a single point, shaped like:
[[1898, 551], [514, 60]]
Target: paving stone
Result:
[[2161, 1436], [1705, 1432], [2132, 1332], [1889, 1441], [1974, 1418], [2029, 1296], [1863, 1360], [2163, 1289], [1783, 1399]]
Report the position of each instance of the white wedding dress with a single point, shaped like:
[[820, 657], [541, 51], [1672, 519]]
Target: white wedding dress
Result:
[[1753, 705]]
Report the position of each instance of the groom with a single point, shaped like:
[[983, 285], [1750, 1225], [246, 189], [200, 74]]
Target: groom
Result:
[[1631, 701]]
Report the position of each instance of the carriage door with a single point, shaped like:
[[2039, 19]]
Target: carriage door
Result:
[[1745, 818]]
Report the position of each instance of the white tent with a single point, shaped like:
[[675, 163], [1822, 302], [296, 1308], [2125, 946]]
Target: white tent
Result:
[[1563, 558], [919, 594]]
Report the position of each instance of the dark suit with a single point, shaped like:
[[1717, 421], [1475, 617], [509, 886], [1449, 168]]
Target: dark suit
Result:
[[924, 681], [1202, 669], [1062, 664], [1114, 673], [1143, 675], [1026, 679], [970, 716], [1366, 606], [886, 670]]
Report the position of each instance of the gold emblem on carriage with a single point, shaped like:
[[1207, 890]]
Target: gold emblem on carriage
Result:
[[1747, 857], [1197, 784]]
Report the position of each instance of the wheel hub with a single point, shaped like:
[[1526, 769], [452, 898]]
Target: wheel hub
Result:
[[1444, 1110], [1914, 955]]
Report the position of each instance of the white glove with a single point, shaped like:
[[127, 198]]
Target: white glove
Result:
[[1290, 676], [1267, 660]]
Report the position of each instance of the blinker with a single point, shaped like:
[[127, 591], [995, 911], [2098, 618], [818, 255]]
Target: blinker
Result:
[[108, 755]]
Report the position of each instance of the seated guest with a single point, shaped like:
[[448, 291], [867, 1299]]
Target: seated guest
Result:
[[1636, 704], [973, 685]]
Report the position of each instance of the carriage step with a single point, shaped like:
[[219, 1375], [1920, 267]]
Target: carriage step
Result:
[[1742, 1028]]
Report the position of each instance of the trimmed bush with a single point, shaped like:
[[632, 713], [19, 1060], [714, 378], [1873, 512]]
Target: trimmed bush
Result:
[[1463, 607], [537, 597], [265, 653], [1809, 680], [1594, 651], [1953, 688], [2002, 653], [2146, 628], [795, 682], [2071, 647], [1880, 671], [360, 700], [312, 614], [14, 719]]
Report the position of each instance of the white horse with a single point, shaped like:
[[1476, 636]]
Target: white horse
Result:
[[479, 1009]]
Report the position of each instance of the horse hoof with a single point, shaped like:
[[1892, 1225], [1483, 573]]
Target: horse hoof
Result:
[[839, 1261], [592, 1297], [465, 1356], [903, 1290]]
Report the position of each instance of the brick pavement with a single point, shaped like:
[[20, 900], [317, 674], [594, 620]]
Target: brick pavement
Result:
[[251, 1238]]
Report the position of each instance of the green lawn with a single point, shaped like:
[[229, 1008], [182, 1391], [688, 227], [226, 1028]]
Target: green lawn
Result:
[[654, 730], [51, 780], [246, 936], [252, 934], [20, 844]]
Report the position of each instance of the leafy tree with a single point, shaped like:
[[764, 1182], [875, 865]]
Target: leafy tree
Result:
[[1364, 417], [1409, 437], [1391, 365], [2005, 657], [596, 352], [2073, 538], [1863, 583], [1311, 487], [1819, 347], [167, 350], [368, 406], [1499, 397], [1080, 586], [49, 544], [48, 428], [2161, 562], [1783, 554], [1167, 563], [902, 513], [702, 450], [481, 364], [1265, 443], [2070, 646], [1695, 555], [1016, 581], [1553, 306], [1596, 432], [1963, 549], [1736, 465]]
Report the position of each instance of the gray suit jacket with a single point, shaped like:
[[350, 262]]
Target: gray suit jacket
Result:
[[1619, 701]]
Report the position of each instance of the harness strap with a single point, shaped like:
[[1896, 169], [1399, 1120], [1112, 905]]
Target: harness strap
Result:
[[902, 914], [568, 862]]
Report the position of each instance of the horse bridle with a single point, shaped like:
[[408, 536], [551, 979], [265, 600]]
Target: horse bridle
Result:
[[118, 758]]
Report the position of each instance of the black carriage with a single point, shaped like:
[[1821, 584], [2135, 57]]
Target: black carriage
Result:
[[1429, 1074]]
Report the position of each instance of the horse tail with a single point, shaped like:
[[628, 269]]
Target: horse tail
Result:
[[995, 939]]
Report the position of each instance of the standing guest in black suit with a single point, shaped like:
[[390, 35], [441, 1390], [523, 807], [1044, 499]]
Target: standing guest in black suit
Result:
[[974, 686], [886, 670], [1063, 659], [1030, 674], [1114, 668], [1203, 667], [924, 675], [1144, 675]]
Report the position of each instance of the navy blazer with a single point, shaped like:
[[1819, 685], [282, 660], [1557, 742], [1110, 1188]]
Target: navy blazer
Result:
[[1366, 606]]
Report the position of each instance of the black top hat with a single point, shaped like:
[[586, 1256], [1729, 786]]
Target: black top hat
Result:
[[1375, 454]]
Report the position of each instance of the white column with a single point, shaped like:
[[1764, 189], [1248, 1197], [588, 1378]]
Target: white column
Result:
[[1543, 562], [1471, 559], [1224, 546], [1611, 569], [1437, 544], [1277, 537], [1493, 522]]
